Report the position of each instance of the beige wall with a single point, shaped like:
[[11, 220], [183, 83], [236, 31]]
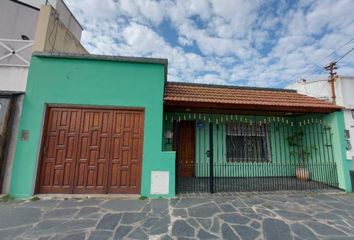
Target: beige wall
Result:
[[65, 15], [52, 35]]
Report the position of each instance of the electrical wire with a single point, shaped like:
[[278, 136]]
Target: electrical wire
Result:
[[344, 55], [343, 45], [317, 67], [339, 59]]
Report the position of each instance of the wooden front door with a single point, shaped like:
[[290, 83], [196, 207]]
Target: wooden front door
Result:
[[186, 149], [89, 150]]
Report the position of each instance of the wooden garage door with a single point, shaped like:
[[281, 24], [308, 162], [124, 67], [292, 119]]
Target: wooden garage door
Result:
[[91, 151]]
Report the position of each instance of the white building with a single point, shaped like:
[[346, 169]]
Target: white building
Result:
[[27, 26], [344, 91]]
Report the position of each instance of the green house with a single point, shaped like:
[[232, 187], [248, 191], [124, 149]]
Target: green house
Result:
[[114, 125], [232, 139]]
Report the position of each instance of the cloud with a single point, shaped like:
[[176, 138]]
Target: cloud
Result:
[[142, 39], [256, 43]]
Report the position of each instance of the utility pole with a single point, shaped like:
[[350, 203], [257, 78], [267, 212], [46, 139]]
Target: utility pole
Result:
[[331, 78]]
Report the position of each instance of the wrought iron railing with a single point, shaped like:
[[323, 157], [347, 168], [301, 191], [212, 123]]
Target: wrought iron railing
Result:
[[15, 52], [218, 153], [255, 177]]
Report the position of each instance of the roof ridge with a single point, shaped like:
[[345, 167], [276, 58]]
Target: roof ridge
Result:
[[204, 95], [230, 86]]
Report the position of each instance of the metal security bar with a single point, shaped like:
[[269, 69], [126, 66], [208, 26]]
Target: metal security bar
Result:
[[219, 153]]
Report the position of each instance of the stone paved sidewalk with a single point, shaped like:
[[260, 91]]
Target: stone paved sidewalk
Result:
[[296, 215]]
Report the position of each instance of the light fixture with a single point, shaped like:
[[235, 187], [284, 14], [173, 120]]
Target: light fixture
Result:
[[200, 124], [168, 136]]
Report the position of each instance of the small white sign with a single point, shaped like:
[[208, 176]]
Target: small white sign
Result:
[[160, 182]]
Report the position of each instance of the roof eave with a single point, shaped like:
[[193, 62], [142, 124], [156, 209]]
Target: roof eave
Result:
[[254, 107]]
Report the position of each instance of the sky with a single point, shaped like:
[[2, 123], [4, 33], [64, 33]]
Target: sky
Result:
[[233, 42]]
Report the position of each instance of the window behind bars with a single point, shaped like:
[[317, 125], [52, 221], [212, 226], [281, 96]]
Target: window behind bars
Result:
[[247, 142]]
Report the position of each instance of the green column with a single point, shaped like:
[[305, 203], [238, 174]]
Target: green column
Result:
[[336, 121]]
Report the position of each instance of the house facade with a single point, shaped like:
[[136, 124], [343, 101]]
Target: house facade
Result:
[[92, 124], [114, 125], [254, 139]]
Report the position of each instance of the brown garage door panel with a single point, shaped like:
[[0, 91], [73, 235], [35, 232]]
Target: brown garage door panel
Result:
[[92, 163], [58, 153], [125, 166], [91, 151]]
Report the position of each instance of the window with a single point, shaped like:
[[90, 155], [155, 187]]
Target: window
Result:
[[247, 143]]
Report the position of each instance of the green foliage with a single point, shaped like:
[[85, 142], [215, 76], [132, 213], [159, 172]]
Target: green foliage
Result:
[[296, 139], [297, 146], [143, 198], [35, 198], [7, 198]]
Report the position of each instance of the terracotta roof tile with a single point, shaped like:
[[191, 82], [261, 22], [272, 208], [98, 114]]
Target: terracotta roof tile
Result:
[[214, 94]]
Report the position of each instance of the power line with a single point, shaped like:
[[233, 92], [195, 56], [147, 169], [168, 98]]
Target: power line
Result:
[[317, 76], [344, 55], [343, 45], [320, 68], [317, 67], [340, 58], [331, 67]]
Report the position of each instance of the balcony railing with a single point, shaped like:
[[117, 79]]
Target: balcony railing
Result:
[[15, 53]]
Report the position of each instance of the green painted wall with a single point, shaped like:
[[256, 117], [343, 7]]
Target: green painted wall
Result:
[[279, 151], [336, 121], [279, 166], [317, 138], [98, 83]]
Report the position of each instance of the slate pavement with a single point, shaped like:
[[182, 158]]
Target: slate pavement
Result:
[[290, 215]]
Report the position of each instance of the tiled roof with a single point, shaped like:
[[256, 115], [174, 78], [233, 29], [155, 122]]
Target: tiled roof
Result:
[[243, 97]]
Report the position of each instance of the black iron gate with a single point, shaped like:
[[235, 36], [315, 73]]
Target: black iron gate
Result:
[[235, 155]]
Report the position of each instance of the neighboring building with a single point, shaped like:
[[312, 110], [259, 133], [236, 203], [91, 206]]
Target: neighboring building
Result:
[[344, 88], [26, 26], [19, 18], [64, 14], [108, 124]]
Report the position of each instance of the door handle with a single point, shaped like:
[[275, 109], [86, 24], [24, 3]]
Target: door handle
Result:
[[207, 153]]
